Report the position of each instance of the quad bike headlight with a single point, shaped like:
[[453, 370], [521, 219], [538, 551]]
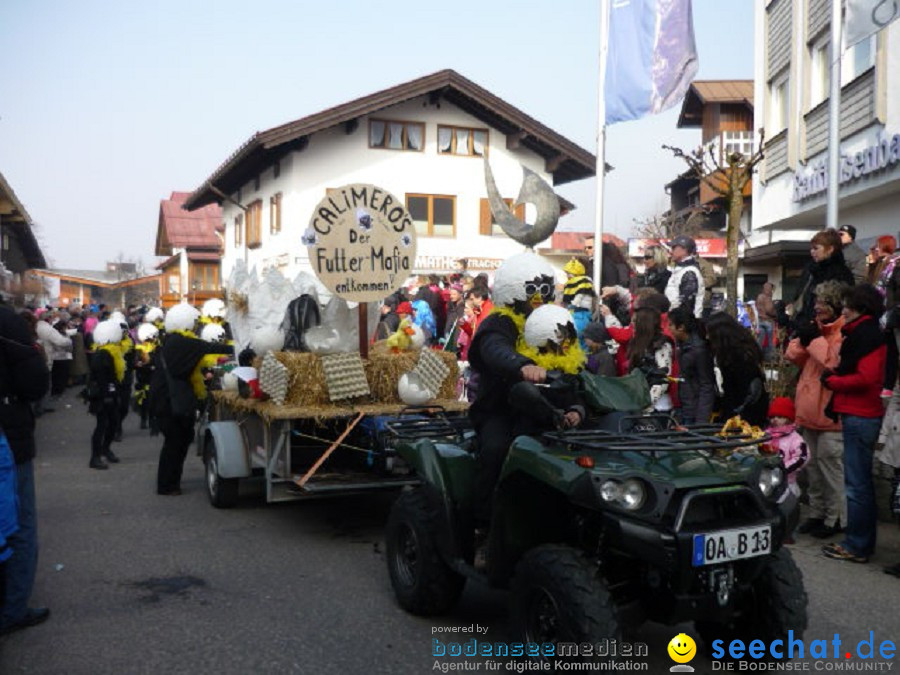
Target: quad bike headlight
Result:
[[633, 494], [629, 495], [770, 479]]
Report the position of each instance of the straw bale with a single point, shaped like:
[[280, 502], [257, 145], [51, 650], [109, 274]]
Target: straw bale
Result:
[[306, 384], [384, 368]]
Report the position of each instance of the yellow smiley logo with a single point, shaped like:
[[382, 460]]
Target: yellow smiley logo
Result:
[[682, 648]]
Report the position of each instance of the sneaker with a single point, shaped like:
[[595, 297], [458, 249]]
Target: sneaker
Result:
[[809, 525], [838, 552], [98, 463]]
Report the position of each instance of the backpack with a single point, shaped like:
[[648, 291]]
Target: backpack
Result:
[[302, 314]]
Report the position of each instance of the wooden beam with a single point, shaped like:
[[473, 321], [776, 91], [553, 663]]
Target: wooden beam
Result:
[[553, 163], [514, 140]]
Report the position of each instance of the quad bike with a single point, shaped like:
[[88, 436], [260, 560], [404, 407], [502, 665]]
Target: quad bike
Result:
[[595, 531]]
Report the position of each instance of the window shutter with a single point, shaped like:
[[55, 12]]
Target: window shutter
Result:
[[484, 222]]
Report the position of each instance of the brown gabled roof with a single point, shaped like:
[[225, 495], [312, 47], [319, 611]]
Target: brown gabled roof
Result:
[[703, 92], [179, 228], [570, 161], [14, 216]]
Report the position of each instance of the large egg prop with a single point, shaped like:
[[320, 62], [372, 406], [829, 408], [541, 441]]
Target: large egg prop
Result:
[[417, 339], [412, 391]]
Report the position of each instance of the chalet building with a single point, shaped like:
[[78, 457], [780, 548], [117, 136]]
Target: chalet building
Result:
[[19, 249], [792, 84], [192, 242], [424, 141], [119, 285]]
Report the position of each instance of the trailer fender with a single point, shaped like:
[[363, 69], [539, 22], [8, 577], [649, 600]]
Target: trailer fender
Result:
[[227, 440]]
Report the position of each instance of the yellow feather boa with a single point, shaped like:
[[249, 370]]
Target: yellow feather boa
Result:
[[115, 351], [571, 362], [198, 385]]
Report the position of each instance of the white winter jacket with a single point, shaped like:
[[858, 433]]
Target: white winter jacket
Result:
[[685, 287], [56, 346]]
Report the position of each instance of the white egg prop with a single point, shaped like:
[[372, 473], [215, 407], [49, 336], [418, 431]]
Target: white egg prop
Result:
[[511, 277], [412, 391], [229, 382], [417, 339], [267, 340]]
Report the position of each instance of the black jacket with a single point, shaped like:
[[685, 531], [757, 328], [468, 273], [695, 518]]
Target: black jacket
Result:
[[493, 356], [657, 278], [744, 393], [831, 269], [103, 382], [697, 391], [23, 378], [179, 355]]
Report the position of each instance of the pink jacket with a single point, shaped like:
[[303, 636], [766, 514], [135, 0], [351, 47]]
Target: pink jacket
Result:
[[812, 397], [792, 448]]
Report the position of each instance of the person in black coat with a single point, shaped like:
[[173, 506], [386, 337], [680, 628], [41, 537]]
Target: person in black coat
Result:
[[520, 284], [105, 385], [739, 357], [697, 389], [827, 264], [173, 400], [24, 379]]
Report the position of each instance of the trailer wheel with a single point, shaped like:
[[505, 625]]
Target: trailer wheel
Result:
[[422, 581], [222, 492]]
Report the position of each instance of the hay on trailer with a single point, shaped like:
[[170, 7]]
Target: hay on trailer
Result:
[[384, 368], [306, 386]]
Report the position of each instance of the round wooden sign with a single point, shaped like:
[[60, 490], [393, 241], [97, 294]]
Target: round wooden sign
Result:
[[362, 242]]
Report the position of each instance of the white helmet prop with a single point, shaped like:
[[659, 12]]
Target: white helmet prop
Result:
[[181, 317], [213, 308], [524, 278], [212, 332], [108, 332], [154, 314], [549, 326], [118, 317], [147, 331]]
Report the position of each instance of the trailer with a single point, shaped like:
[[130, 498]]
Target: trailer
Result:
[[303, 452]]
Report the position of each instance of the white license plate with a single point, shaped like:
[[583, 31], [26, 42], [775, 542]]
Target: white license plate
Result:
[[727, 545]]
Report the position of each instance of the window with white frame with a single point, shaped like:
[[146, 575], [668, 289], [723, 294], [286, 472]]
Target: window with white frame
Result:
[[738, 141], [820, 77], [779, 95], [857, 59]]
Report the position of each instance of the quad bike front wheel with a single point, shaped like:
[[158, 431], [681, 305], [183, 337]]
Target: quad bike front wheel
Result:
[[423, 583], [559, 596]]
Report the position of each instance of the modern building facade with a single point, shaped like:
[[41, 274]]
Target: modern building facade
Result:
[[792, 87]]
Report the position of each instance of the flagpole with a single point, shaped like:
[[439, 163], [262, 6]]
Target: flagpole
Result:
[[834, 117], [601, 146]]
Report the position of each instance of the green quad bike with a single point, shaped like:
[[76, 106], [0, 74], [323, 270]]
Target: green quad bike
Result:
[[595, 531]]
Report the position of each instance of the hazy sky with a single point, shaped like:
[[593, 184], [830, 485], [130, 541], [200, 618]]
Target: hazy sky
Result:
[[106, 107]]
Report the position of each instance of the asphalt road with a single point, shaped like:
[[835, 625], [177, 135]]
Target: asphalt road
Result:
[[139, 583]]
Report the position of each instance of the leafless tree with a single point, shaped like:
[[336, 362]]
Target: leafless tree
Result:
[[728, 181]]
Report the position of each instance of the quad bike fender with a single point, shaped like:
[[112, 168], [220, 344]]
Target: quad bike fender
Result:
[[227, 440]]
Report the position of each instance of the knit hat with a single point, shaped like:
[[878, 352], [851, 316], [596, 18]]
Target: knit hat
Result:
[[782, 407], [595, 332], [404, 308]]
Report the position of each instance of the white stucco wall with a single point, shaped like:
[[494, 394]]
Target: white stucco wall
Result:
[[334, 158]]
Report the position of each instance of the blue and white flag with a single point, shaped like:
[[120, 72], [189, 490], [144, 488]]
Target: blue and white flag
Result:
[[651, 59], [866, 17]]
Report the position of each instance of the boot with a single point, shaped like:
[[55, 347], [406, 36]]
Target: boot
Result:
[[98, 463], [111, 457]]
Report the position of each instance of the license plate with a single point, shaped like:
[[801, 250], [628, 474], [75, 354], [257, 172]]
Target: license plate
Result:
[[727, 545]]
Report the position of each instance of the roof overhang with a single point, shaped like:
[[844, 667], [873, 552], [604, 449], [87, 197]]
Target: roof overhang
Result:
[[565, 160], [14, 216]]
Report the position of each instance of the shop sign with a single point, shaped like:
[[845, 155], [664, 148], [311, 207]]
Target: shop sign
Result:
[[706, 248], [881, 156], [361, 242], [439, 263]]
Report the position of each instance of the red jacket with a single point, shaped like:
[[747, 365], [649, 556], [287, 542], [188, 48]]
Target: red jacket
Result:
[[859, 393]]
